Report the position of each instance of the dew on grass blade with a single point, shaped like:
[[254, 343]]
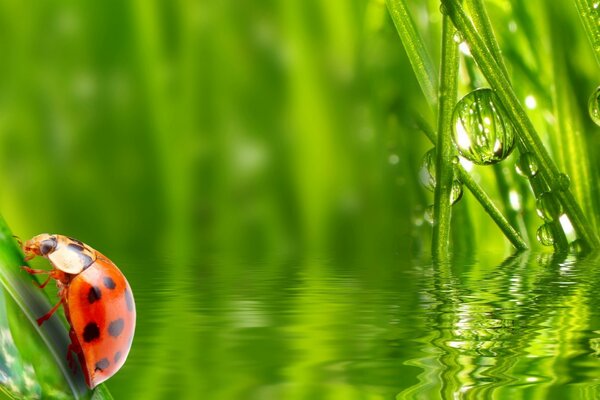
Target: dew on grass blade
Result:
[[527, 165], [427, 176], [544, 235], [428, 214], [594, 106], [548, 207], [482, 132], [427, 170]]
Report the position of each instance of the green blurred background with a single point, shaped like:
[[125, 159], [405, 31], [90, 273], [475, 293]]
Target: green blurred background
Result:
[[178, 136], [215, 149]]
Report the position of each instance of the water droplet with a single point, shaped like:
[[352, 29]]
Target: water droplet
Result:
[[527, 165], [563, 182], [428, 178], [594, 106], [482, 131], [443, 8], [576, 246], [549, 207], [544, 235], [458, 38], [427, 171], [393, 159], [428, 215], [456, 192]]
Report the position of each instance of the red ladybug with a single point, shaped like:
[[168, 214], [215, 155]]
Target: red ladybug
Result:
[[97, 300]]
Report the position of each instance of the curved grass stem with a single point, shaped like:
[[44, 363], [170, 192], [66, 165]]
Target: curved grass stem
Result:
[[483, 25], [532, 142]]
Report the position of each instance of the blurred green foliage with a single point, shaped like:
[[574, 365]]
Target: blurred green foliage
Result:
[[165, 132]]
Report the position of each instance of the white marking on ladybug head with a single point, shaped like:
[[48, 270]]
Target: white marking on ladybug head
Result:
[[68, 260]]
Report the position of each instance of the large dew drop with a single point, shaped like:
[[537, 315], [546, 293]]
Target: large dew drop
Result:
[[482, 131], [428, 179], [594, 106]]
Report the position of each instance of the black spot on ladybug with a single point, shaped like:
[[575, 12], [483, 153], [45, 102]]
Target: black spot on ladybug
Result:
[[75, 246], [91, 332], [129, 300], [109, 283], [85, 260], [79, 242], [116, 327], [102, 364], [94, 294], [47, 246], [117, 356]]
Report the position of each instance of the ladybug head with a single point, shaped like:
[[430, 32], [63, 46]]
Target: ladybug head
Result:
[[40, 245]]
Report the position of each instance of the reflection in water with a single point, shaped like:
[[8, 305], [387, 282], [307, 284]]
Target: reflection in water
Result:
[[526, 326]]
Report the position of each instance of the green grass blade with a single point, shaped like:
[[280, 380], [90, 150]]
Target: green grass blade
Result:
[[482, 197], [415, 49], [44, 348], [442, 206], [589, 11], [495, 76]]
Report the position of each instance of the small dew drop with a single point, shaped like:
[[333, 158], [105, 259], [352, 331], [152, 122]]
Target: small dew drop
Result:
[[576, 246], [428, 215], [457, 37], [427, 171], [544, 235], [548, 207], [427, 176], [482, 132], [393, 159], [594, 106], [456, 192], [527, 165], [443, 8]]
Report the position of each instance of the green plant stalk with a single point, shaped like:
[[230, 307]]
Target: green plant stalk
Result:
[[480, 195], [589, 17], [423, 68], [442, 205], [415, 49], [571, 151], [483, 25], [494, 75]]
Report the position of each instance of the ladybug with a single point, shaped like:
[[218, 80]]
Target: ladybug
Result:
[[97, 300]]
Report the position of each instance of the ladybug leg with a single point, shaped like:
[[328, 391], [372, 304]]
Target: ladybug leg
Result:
[[73, 348], [32, 271], [38, 271], [71, 359], [43, 318]]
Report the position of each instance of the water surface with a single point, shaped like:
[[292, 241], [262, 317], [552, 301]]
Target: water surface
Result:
[[525, 326]]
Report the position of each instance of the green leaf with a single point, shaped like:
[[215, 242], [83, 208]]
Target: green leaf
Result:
[[32, 358]]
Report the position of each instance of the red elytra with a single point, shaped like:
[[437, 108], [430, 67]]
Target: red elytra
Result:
[[97, 300]]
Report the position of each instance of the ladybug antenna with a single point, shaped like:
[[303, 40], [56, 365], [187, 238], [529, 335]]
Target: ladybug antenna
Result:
[[18, 240]]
